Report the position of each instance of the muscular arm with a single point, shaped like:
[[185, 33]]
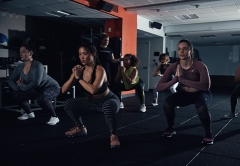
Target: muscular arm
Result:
[[69, 84], [113, 60], [237, 76]]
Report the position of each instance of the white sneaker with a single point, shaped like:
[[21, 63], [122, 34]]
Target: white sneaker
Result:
[[177, 106], [53, 121], [25, 116], [230, 116], [121, 105], [143, 108], [155, 104]]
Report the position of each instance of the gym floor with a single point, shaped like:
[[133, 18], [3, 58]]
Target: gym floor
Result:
[[33, 143]]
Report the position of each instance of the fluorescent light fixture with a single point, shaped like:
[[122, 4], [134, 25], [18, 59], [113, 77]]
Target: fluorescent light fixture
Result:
[[62, 12], [52, 14]]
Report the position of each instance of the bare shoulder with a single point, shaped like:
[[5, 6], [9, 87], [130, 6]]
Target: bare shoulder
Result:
[[99, 68]]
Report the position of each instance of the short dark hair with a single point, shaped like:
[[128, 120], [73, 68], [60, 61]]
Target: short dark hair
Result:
[[104, 35]]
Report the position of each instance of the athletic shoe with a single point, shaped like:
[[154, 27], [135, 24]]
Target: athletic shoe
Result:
[[25, 116], [169, 132], [143, 108], [53, 121], [230, 116], [76, 131], [121, 105], [177, 106], [114, 142], [154, 103], [208, 139]]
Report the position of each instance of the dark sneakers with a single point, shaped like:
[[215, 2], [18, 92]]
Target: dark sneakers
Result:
[[169, 132]]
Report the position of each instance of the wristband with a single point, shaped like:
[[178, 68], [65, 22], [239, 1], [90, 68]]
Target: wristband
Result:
[[79, 78]]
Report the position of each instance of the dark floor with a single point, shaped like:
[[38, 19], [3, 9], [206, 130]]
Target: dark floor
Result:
[[33, 143]]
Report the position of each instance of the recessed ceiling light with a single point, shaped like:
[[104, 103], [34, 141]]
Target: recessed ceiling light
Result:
[[52, 14], [63, 12]]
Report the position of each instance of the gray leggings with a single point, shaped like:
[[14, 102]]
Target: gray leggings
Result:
[[108, 105], [44, 97]]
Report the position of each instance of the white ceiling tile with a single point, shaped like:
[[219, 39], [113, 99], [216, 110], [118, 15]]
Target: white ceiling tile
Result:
[[227, 18], [176, 22], [201, 10], [179, 12], [158, 14], [224, 8], [193, 21], [120, 3], [209, 19], [228, 13], [138, 2], [203, 15], [238, 6], [168, 18]]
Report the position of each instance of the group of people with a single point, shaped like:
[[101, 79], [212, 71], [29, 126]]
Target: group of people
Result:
[[30, 81]]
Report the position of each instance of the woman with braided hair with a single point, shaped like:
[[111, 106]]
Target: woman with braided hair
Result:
[[92, 78]]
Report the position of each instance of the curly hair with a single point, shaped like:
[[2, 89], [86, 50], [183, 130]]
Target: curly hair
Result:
[[134, 60]]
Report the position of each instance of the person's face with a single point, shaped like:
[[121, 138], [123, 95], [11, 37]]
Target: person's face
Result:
[[105, 41], [126, 61], [25, 55], [184, 51], [164, 60], [85, 56]]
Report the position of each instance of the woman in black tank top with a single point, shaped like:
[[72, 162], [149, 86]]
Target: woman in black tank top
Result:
[[159, 71], [93, 80]]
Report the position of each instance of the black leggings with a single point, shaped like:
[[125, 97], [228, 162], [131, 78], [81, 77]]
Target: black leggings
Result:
[[43, 97], [108, 105], [234, 98], [139, 87], [201, 99]]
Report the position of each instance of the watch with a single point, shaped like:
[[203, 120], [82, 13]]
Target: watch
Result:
[[79, 78]]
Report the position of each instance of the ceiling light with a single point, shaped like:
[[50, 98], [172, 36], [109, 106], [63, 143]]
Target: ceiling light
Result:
[[63, 12], [52, 14]]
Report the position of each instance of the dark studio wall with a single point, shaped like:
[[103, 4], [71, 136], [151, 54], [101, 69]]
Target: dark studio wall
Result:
[[61, 41]]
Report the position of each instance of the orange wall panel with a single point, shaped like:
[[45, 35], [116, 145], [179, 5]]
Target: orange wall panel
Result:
[[125, 27]]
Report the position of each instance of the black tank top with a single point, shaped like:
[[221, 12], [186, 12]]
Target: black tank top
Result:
[[104, 85], [162, 70]]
